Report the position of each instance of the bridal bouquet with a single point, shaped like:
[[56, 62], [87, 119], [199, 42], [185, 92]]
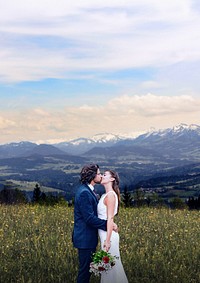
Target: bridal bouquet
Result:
[[102, 262]]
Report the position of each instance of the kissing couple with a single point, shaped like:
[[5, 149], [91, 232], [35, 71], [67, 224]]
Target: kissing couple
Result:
[[93, 218]]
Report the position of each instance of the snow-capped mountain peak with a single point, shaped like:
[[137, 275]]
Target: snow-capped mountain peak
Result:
[[81, 141], [178, 130], [105, 137], [81, 145], [183, 128]]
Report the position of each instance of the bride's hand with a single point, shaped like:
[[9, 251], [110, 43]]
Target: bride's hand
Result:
[[106, 245]]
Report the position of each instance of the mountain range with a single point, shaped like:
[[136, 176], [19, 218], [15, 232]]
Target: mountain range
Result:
[[180, 142]]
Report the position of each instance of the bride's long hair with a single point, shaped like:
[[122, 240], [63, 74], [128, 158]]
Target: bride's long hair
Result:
[[115, 184]]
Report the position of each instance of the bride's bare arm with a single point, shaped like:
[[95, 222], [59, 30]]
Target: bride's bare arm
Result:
[[110, 203]]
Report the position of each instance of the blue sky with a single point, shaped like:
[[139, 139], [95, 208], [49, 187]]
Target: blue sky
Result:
[[73, 69]]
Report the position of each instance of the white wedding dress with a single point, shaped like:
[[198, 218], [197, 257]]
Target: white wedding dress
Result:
[[116, 274]]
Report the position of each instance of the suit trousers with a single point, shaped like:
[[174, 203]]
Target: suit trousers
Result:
[[84, 256]]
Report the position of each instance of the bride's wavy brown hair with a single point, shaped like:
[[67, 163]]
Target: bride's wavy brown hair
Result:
[[115, 184]]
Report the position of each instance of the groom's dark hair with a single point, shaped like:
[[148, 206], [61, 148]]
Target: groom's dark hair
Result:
[[88, 173]]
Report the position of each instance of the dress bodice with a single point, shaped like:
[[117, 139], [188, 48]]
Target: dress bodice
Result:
[[102, 208]]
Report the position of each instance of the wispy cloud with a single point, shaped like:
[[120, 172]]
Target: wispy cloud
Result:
[[91, 35]]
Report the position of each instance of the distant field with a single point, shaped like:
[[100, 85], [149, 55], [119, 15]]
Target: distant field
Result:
[[29, 186], [157, 245], [169, 178]]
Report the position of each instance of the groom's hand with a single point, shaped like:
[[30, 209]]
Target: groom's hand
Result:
[[115, 227]]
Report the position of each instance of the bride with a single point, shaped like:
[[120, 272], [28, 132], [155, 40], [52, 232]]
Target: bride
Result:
[[107, 209]]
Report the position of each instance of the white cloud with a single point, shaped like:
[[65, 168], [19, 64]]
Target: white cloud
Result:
[[27, 8], [94, 36], [6, 123], [152, 105], [123, 114]]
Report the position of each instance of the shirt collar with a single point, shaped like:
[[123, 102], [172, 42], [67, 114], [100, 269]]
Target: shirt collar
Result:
[[91, 187]]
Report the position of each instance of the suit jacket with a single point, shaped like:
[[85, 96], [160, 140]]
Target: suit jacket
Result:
[[86, 222]]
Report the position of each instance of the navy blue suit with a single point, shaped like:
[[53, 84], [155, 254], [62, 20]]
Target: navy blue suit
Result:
[[86, 225]]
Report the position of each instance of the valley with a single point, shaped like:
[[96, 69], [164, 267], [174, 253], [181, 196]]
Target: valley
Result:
[[166, 163]]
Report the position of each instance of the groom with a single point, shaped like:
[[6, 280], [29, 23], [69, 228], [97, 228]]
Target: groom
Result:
[[86, 222]]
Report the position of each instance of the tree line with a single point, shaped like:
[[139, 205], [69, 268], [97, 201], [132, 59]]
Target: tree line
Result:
[[16, 196], [137, 199]]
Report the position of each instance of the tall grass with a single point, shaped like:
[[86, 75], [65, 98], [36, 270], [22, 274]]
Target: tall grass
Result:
[[157, 245]]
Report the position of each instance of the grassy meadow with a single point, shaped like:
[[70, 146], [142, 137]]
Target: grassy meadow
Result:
[[157, 245]]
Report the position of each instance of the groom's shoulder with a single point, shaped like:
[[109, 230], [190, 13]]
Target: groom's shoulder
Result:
[[83, 188]]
